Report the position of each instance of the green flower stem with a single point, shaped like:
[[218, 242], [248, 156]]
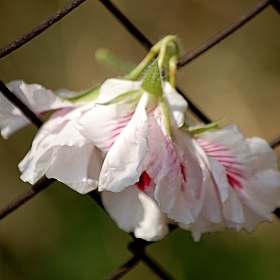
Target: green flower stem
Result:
[[158, 49], [166, 115], [172, 71], [163, 48], [104, 56], [137, 71]]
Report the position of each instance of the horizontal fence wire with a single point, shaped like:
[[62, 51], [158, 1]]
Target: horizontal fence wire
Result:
[[138, 246]]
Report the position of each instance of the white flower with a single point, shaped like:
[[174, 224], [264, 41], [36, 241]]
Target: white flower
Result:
[[215, 180], [121, 125], [121, 129], [36, 97], [226, 180]]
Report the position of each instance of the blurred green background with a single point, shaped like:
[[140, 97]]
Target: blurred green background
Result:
[[63, 235]]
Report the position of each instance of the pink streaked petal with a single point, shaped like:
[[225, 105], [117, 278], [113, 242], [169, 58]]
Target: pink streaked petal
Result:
[[104, 123], [123, 163], [230, 148], [175, 188], [234, 181], [251, 168], [207, 200]]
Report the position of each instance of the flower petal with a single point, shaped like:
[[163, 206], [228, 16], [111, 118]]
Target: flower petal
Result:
[[251, 168], [176, 102], [103, 124], [113, 88], [176, 172], [134, 211], [123, 163], [230, 148], [37, 98], [59, 151]]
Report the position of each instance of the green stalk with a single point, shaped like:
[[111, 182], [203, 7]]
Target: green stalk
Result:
[[166, 115], [172, 71], [158, 48]]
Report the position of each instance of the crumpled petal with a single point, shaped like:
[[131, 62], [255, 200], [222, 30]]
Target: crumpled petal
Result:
[[252, 189], [59, 151], [178, 172], [35, 97], [136, 212]]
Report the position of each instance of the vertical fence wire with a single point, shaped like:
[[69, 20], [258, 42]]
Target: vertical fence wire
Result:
[[137, 246]]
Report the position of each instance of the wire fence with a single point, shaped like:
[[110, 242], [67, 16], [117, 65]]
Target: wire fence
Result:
[[138, 246]]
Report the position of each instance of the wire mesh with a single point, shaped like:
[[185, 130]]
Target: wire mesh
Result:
[[137, 247]]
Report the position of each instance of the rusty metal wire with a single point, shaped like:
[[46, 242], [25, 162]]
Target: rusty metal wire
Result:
[[18, 103], [24, 197], [41, 27], [239, 22], [137, 246]]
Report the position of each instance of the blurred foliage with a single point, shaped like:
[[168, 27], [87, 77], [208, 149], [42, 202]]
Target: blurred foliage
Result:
[[63, 235]]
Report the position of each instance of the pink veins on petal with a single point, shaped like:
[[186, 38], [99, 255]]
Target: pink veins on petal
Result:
[[117, 129], [234, 174], [144, 181]]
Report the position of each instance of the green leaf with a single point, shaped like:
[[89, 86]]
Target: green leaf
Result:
[[152, 80]]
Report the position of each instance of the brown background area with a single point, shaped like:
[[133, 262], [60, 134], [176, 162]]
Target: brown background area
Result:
[[63, 235]]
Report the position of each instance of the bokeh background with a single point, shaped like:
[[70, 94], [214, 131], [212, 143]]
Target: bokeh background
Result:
[[63, 235]]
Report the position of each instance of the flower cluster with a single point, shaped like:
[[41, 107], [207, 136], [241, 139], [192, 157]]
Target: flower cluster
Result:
[[129, 139]]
